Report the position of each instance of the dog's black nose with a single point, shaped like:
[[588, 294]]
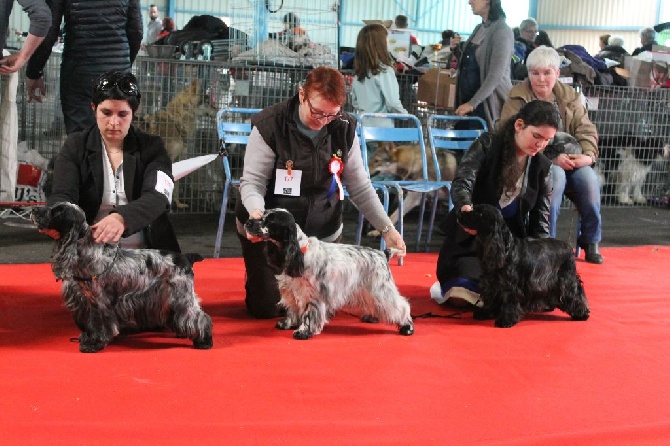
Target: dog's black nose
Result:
[[254, 227]]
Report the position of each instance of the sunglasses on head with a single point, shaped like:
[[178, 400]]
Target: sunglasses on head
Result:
[[124, 83]]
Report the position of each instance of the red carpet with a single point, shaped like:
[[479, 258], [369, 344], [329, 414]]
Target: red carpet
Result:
[[547, 380]]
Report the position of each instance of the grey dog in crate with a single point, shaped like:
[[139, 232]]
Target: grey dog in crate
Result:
[[110, 290], [318, 278]]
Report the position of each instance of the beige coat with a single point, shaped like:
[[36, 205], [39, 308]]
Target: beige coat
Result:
[[573, 113]]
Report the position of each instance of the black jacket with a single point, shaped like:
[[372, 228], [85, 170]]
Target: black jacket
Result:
[[317, 213], [99, 35], [78, 178], [476, 182], [613, 52]]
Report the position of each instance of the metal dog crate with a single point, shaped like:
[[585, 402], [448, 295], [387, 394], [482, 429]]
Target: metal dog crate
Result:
[[621, 115], [637, 121]]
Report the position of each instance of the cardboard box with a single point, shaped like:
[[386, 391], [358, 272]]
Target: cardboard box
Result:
[[437, 88], [648, 73]]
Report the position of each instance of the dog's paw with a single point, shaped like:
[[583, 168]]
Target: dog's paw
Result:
[[91, 347], [482, 314], [369, 319], [203, 344], [285, 324], [625, 199], [504, 323], [301, 335], [407, 330], [581, 315], [639, 199]]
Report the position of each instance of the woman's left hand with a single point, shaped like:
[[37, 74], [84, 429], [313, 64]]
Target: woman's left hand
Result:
[[109, 229], [571, 162], [394, 240]]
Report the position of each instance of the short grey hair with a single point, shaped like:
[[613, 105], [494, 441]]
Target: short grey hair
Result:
[[615, 41], [543, 57], [648, 34], [527, 23]]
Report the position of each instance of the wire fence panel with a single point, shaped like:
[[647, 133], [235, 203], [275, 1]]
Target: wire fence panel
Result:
[[180, 99]]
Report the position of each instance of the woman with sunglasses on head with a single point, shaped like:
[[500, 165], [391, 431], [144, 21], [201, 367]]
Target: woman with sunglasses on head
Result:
[[299, 153], [119, 175], [504, 169]]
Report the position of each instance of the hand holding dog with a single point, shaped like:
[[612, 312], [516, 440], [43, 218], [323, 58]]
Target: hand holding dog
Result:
[[109, 229], [393, 239]]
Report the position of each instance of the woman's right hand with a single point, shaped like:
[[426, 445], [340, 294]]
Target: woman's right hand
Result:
[[256, 214], [467, 208]]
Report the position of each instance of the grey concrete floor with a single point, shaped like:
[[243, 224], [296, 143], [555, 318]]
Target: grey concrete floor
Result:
[[622, 226]]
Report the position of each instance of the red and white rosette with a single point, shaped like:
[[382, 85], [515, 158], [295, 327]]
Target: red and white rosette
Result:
[[335, 167]]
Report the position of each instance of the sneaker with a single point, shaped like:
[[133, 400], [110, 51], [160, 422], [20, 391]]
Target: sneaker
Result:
[[457, 295]]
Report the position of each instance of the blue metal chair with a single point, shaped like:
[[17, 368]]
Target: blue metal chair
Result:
[[442, 136], [410, 131], [233, 127], [378, 187]]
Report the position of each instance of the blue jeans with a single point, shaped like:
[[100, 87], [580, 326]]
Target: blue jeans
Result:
[[582, 187]]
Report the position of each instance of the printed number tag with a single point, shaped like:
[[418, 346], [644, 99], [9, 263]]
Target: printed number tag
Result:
[[288, 184], [164, 185]]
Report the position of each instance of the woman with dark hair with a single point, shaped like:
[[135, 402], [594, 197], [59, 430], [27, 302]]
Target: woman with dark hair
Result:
[[375, 87], [484, 68], [120, 176], [168, 27], [451, 49], [299, 154], [504, 169]]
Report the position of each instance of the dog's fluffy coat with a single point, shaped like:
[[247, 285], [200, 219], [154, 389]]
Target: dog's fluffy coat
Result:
[[110, 290], [328, 276], [522, 275]]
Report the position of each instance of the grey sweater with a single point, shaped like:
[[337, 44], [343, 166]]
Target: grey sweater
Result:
[[38, 14]]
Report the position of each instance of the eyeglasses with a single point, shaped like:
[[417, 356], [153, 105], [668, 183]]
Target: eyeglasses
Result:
[[318, 114], [123, 82]]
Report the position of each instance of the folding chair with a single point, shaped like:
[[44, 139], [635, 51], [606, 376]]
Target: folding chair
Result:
[[411, 133], [233, 127], [378, 187], [442, 136]]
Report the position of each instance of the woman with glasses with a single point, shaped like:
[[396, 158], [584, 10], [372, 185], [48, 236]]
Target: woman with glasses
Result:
[[504, 169], [120, 176], [299, 154], [375, 87]]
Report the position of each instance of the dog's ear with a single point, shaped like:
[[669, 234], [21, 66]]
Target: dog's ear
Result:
[[294, 260]]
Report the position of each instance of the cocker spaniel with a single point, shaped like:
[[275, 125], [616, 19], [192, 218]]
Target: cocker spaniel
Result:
[[110, 290], [522, 275], [318, 278]]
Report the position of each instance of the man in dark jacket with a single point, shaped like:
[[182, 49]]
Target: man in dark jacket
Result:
[[99, 37], [647, 39]]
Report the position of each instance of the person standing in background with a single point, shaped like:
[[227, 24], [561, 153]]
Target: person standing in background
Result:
[[375, 88], [40, 21], [484, 69], [154, 27], [647, 39], [402, 22], [98, 38]]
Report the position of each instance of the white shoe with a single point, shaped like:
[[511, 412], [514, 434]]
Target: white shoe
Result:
[[459, 293], [436, 293]]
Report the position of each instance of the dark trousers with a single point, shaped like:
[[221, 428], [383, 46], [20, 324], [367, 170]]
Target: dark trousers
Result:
[[76, 90], [262, 293]]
